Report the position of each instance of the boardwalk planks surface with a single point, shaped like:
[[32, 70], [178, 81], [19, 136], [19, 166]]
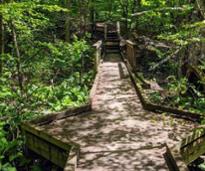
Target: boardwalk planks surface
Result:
[[119, 134]]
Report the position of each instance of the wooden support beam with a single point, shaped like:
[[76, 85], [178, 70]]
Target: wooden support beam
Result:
[[174, 159], [60, 152], [190, 149], [98, 53], [131, 54]]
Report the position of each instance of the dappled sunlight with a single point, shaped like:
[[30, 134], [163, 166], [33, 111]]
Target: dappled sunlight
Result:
[[118, 134]]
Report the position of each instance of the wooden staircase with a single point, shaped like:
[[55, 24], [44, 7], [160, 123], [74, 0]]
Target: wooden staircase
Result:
[[112, 41]]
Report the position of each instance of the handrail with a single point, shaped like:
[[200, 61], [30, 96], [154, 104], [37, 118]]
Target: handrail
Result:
[[98, 53], [131, 54], [105, 32], [118, 26], [131, 66]]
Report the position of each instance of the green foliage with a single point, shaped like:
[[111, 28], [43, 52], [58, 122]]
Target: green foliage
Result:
[[10, 149], [155, 97], [187, 34], [54, 74], [50, 74], [69, 89], [177, 96], [178, 86]]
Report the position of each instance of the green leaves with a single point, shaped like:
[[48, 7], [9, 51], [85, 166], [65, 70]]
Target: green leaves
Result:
[[27, 17], [16, 11], [55, 74]]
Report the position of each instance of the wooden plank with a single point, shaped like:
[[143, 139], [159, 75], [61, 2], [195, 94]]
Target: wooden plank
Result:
[[47, 137], [174, 159], [130, 43], [94, 88], [98, 53], [52, 149], [44, 144], [178, 113], [191, 148], [72, 161], [131, 54], [47, 150], [98, 44], [197, 133], [132, 77], [61, 115], [194, 150]]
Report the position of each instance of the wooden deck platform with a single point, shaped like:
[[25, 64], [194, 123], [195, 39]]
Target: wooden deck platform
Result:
[[118, 134]]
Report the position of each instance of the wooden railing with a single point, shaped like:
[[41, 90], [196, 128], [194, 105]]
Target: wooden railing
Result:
[[105, 32], [131, 54], [118, 28], [98, 53]]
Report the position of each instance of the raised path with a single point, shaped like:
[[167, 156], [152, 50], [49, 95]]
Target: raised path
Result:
[[119, 135]]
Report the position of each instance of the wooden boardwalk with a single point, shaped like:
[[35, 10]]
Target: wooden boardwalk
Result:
[[118, 135]]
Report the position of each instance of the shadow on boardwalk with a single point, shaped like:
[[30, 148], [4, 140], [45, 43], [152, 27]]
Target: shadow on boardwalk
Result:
[[118, 134]]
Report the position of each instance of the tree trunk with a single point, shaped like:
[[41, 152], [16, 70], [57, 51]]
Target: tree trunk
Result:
[[67, 22], [81, 17], [18, 59], [201, 7], [1, 39], [125, 15], [92, 17]]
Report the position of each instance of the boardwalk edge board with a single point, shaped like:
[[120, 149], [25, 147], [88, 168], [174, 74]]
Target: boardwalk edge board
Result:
[[63, 154], [53, 149], [196, 117], [61, 115], [174, 159]]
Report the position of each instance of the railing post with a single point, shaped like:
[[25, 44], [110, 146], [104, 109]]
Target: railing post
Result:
[[118, 28], [98, 53], [131, 54], [105, 31]]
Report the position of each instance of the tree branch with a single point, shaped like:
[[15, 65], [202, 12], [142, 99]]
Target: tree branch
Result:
[[159, 10]]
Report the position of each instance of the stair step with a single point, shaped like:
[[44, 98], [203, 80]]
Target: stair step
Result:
[[112, 35], [110, 50], [112, 43], [112, 47], [112, 32], [113, 38]]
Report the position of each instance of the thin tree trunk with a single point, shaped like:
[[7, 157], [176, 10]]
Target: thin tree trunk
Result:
[[125, 14], [134, 5], [1, 39], [201, 7], [67, 22], [81, 8], [18, 59], [92, 17]]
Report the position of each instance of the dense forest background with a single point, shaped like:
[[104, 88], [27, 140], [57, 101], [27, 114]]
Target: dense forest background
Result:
[[47, 64]]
